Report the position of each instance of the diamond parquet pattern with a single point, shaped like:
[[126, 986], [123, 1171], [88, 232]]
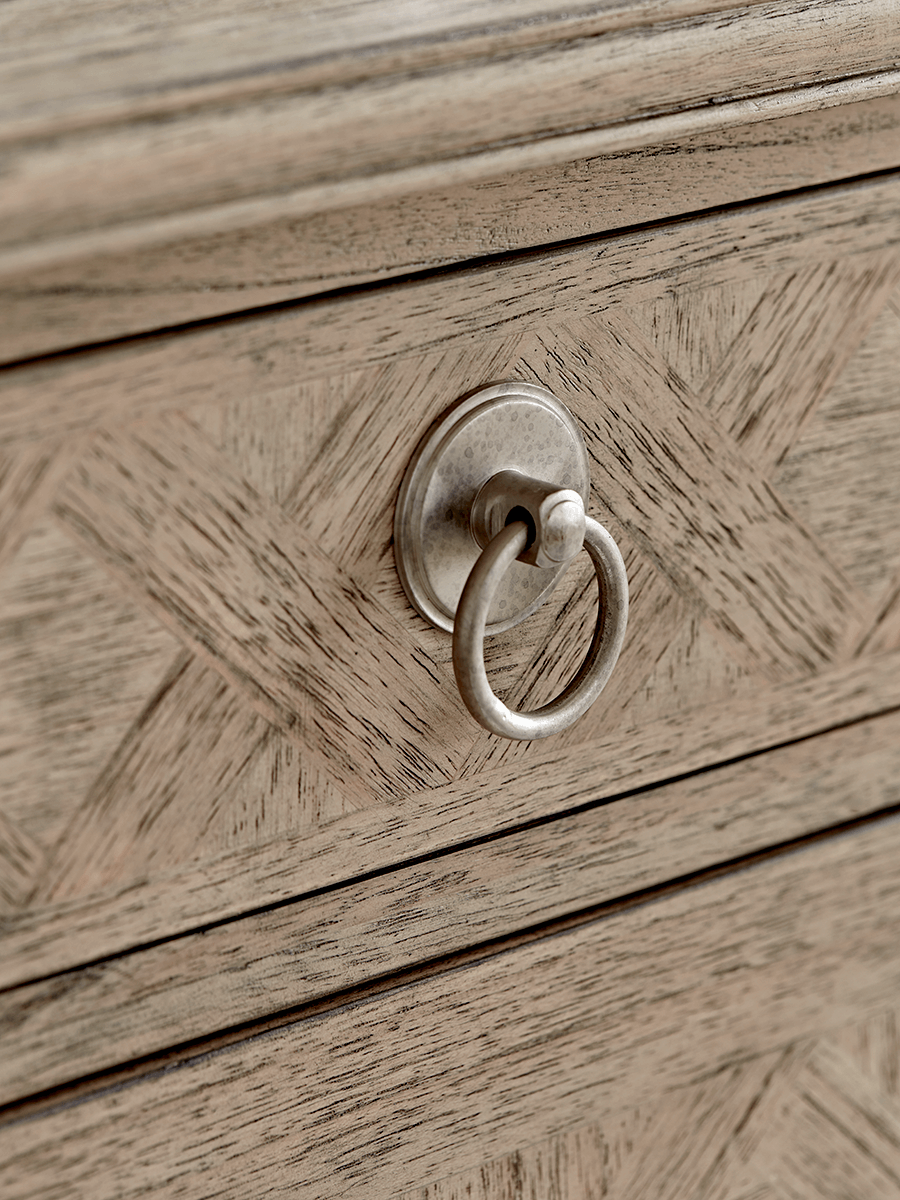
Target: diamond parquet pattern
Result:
[[245, 661], [818, 1121]]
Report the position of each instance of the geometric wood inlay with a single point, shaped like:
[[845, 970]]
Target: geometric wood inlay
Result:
[[253, 541]]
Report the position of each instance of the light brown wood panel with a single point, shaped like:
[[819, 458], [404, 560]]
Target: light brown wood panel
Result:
[[202, 157], [27, 481], [22, 864], [842, 473], [152, 61], [811, 1122], [253, 354], [248, 592], [199, 527], [40, 940], [378, 1096], [793, 347], [129, 1006], [77, 661], [98, 297]]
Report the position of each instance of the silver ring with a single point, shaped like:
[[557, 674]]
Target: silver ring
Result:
[[592, 675]]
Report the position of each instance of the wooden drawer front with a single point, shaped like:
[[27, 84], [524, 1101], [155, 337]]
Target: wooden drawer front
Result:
[[235, 974], [207, 658], [757, 993]]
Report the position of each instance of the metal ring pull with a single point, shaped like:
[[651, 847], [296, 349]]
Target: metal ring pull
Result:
[[471, 617], [481, 538]]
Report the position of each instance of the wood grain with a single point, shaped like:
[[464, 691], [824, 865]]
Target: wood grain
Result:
[[22, 865], [874, 1049], [250, 354], [793, 348], [179, 758], [100, 296], [498, 1053], [806, 1122], [841, 474], [834, 1139], [129, 1005], [42, 941], [151, 62], [769, 588], [305, 646], [687, 1145], [186, 775], [77, 662], [27, 482], [884, 634], [323, 145]]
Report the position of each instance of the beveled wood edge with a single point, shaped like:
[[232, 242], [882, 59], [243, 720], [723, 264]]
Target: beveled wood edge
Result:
[[45, 941], [392, 183], [470, 1062], [237, 973], [90, 299], [333, 44]]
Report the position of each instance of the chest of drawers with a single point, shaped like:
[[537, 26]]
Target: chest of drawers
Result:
[[276, 916]]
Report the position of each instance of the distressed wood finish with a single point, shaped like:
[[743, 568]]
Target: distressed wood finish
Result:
[[316, 852], [200, 163], [560, 1031], [239, 972], [229, 720], [276, 917], [98, 297], [231, 359], [821, 1118]]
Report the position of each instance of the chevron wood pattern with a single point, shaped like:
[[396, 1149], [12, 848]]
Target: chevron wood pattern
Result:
[[247, 665], [817, 1121]]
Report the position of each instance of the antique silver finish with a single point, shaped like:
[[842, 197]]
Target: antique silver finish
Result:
[[507, 426], [555, 516], [481, 538], [591, 677]]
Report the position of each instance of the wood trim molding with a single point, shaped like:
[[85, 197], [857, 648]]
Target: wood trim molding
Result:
[[121, 181], [244, 355], [97, 297]]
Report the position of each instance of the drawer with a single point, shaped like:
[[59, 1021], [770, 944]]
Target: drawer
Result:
[[721, 1035], [219, 702], [178, 695]]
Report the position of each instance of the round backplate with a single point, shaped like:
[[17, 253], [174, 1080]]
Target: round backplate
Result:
[[507, 426]]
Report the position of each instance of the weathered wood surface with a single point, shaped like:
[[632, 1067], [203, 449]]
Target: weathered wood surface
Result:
[[97, 297], [247, 590], [217, 49], [167, 762], [246, 355], [223, 158], [41, 940], [841, 474], [820, 1119], [128, 1006], [380, 1095]]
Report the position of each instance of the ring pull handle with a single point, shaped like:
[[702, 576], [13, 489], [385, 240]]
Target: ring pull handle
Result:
[[481, 540], [565, 526]]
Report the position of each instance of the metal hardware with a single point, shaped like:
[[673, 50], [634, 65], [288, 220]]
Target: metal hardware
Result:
[[506, 426], [481, 539], [555, 516], [593, 674]]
